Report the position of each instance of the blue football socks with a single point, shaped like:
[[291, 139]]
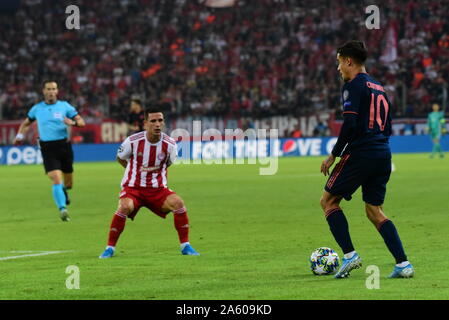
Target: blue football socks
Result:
[[391, 237], [58, 196], [340, 230]]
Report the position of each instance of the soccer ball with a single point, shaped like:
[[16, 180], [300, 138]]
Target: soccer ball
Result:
[[324, 261]]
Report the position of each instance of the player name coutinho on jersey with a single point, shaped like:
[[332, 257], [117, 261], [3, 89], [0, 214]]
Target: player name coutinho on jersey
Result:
[[375, 86]]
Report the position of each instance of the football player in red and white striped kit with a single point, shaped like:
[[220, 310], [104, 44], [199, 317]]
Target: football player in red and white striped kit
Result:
[[146, 156]]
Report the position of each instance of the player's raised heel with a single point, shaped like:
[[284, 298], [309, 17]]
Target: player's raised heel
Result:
[[404, 272], [348, 265], [189, 251], [108, 253], [64, 214]]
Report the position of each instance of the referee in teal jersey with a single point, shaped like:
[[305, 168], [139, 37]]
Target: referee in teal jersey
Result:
[[53, 118]]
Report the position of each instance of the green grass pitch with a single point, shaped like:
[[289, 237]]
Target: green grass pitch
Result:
[[255, 235]]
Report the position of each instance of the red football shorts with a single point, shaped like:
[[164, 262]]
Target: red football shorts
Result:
[[151, 198]]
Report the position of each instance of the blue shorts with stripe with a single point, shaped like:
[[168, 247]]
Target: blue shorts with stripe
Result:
[[353, 171]]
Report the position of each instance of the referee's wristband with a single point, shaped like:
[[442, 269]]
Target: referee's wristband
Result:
[[20, 136]]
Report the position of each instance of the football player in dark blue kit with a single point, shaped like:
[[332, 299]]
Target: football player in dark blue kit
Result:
[[363, 145]]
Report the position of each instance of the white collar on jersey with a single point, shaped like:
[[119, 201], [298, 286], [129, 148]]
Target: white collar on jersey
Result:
[[154, 143]]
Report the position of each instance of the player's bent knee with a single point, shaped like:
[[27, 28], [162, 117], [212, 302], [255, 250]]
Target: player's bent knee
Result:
[[175, 203], [374, 213], [323, 202], [126, 206], [55, 177], [329, 201]]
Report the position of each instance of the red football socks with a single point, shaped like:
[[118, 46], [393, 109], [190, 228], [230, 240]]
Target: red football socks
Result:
[[117, 226], [182, 224]]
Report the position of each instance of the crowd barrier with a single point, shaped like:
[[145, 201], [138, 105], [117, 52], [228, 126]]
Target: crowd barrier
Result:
[[229, 149]]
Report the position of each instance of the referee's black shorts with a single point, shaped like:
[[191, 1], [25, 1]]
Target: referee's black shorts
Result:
[[57, 155]]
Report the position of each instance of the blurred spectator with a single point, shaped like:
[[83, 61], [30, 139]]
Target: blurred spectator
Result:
[[258, 58], [296, 133], [320, 130], [136, 116], [409, 128]]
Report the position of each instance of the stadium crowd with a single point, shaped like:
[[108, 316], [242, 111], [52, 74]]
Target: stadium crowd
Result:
[[260, 58]]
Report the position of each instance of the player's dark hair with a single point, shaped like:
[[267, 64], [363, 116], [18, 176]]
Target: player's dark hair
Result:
[[354, 49], [48, 81], [137, 101], [152, 109]]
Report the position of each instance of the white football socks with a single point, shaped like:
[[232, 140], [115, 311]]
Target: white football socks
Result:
[[183, 245], [403, 264]]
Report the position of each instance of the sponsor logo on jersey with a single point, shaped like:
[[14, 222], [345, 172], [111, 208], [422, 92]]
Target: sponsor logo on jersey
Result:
[[149, 169]]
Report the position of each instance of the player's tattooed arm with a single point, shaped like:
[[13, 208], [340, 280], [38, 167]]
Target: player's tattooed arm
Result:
[[122, 162], [172, 156]]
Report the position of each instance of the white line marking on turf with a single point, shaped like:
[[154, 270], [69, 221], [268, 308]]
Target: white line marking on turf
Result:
[[42, 253]]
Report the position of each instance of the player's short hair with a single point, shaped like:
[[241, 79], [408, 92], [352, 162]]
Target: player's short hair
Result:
[[44, 83], [354, 49], [137, 101], [153, 109]]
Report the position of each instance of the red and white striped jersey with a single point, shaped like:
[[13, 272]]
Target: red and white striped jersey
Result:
[[147, 162]]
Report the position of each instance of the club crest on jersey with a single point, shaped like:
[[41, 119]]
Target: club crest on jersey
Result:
[[161, 156]]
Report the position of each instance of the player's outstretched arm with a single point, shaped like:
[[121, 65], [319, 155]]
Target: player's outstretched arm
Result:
[[22, 130]]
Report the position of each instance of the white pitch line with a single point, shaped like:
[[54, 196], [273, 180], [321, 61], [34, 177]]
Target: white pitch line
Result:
[[24, 251], [45, 253]]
